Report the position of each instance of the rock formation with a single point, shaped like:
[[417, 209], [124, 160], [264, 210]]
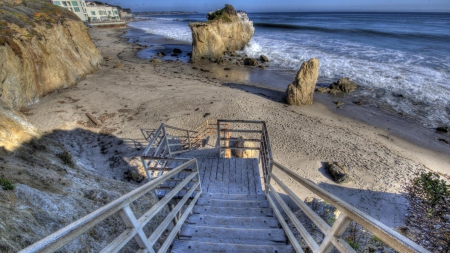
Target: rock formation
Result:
[[241, 143], [338, 172], [226, 30], [46, 48], [344, 85], [301, 91]]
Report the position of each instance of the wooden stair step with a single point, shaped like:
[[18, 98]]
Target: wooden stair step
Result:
[[233, 221], [234, 196], [232, 211], [180, 246], [232, 203], [232, 235]]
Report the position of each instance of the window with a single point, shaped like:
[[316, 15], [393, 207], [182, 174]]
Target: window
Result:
[[74, 3], [115, 12], [76, 9], [93, 13], [64, 3], [70, 9], [56, 3], [109, 12]]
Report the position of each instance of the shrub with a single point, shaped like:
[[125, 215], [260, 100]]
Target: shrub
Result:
[[6, 184], [429, 209], [66, 158]]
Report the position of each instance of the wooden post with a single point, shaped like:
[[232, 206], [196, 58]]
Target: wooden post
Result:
[[227, 143]]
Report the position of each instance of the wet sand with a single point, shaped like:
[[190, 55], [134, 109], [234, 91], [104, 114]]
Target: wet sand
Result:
[[382, 152]]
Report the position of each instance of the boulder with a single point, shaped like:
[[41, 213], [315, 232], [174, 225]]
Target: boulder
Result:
[[177, 51], [134, 175], [154, 60], [251, 62], [323, 89], [338, 171], [264, 58], [443, 129], [160, 54], [225, 31], [118, 65], [301, 91], [244, 153], [344, 85]]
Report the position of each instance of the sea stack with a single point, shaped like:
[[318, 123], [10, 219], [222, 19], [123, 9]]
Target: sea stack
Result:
[[301, 91], [225, 31]]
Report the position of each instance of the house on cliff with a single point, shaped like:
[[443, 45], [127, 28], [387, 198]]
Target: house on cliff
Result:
[[90, 11]]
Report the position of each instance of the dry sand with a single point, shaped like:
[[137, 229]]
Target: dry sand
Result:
[[142, 95]]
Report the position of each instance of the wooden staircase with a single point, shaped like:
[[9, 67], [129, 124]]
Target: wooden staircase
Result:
[[232, 223]]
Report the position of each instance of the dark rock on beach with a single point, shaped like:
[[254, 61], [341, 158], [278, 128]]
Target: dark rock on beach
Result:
[[251, 61], [177, 51], [443, 129], [323, 89], [264, 58], [160, 54], [344, 85], [338, 171]]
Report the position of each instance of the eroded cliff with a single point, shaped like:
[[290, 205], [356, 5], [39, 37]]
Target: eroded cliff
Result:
[[42, 48], [225, 31]]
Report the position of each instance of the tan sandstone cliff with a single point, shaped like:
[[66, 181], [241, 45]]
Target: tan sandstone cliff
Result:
[[42, 48], [225, 31], [42, 54]]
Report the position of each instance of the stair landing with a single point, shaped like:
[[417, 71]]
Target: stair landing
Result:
[[224, 176]]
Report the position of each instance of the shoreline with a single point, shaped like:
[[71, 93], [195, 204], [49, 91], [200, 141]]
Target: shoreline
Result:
[[391, 126], [139, 96]]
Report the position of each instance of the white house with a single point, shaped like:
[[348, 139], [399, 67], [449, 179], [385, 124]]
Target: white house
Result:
[[89, 11], [99, 12], [77, 6]]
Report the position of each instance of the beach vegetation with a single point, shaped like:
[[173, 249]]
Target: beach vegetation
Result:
[[429, 209], [222, 15], [6, 184], [66, 158]]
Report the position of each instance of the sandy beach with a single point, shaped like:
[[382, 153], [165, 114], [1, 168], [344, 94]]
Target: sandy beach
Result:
[[382, 152]]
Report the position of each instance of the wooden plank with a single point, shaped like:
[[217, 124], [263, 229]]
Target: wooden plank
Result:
[[219, 176], [233, 221], [182, 246], [245, 183], [226, 175], [251, 177], [266, 234], [232, 183], [212, 186], [205, 181], [239, 182], [257, 176]]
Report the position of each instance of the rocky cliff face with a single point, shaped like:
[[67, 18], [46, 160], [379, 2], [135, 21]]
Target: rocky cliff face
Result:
[[226, 30], [42, 48]]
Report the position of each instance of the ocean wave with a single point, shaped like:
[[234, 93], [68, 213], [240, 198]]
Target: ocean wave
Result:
[[367, 32]]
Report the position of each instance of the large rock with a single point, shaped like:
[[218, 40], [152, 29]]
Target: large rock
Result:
[[344, 85], [251, 62], [55, 52], [301, 91], [241, 143], [338, 171], [226, 31]]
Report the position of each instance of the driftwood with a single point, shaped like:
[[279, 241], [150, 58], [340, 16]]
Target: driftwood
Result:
[[93, 119]]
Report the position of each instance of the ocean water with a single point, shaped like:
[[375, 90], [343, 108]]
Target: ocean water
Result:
[[401, 61]]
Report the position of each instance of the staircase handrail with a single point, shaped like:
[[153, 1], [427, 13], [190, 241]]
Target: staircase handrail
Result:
[[332, 233], [134, 225]]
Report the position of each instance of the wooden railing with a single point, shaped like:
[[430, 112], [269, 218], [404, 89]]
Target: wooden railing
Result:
[[332, 234], [167, 141], [134, 225]]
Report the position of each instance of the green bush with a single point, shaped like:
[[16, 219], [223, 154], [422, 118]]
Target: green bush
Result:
[[6, 184], [66, 158]]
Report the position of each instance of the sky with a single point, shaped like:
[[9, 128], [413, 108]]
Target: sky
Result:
[[204, 6]]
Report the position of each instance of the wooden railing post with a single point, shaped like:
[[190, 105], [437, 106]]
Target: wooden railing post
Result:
[[130, 220], [336, 231], [189, 139]]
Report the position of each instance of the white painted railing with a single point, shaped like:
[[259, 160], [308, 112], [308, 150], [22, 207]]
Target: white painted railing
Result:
[[134, 225], [167, 141], [348, 212], [332, 234]]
